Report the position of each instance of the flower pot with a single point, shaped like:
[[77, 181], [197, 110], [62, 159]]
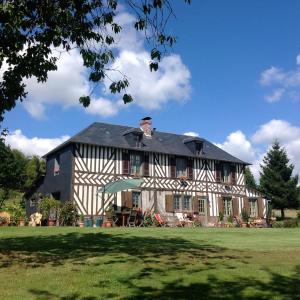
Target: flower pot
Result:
[[81, 224], [244, 225], [107, 223], [51, 222], [21, 223]]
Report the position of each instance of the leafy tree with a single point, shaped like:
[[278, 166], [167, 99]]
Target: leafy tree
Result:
[[35, 169], [250, 180], [32, 31], [276, 179]]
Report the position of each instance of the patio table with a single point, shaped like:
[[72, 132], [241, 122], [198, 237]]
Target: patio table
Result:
[[123, 215]]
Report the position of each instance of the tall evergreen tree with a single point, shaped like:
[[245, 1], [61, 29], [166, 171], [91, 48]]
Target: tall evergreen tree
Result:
[[250, 180], [276, 179]]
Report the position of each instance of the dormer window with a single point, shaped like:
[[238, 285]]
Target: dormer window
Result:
[[199, 148], [134, 137], [56, 165], [195, 145]]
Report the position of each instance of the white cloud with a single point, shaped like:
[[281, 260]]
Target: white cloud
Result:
[[276, 129], [103, 107], [35, 145], [254, 149], [275, 96], [282, 82], [150, 90], [272, 75], [237, 144], [191, 133]]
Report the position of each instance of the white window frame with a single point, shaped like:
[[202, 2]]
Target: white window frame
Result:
[[227, 207], [253, 207], [139, 199], [181, 167], [177, 200], [135, 169], [184, 198], [202, 204]]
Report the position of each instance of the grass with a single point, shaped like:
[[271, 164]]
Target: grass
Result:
[[149, 263]]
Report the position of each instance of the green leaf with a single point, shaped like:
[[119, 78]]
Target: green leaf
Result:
[[127, 98], [85, 100]]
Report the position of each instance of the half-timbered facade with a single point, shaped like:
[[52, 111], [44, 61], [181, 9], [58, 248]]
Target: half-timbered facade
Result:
[[180, 173]]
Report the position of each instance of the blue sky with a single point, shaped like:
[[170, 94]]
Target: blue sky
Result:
[[237, 64]]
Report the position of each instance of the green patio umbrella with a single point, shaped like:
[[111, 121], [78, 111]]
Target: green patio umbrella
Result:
[[120, 185]]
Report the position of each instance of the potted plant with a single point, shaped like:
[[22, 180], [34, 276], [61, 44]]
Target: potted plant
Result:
[[22, 219], [81, 221], [229, 221], [220, 219], [108, 217], [49, 209], [245, 217]]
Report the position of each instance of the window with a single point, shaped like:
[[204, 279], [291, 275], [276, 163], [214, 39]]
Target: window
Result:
[[201, 202], [176, 202], [199, 147], [227, 207], [181, 166], [135, 164], [56, 165], [225, 173], [186, 204], [253, 208], [136, 199]]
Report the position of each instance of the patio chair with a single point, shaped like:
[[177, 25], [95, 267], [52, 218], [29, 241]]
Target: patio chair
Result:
[[115, 218], [35, 219], [131, 221], [159, 220], [172, 221], [180, 218]]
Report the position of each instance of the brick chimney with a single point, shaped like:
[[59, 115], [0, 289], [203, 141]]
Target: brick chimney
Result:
[[146, 126]]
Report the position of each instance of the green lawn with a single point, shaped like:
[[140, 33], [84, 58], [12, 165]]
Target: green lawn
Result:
[[149, 263]]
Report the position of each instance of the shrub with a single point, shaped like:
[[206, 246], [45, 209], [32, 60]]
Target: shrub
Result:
[[68, 214], [16, 212], [230, 219], [245, 215], [221, 217], [298, 214], [290, 223], [197, 223], [278, 224], [47, 205]]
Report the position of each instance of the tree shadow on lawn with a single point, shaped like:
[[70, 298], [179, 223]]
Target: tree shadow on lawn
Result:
[[246, 288], [279, 287], [158, 258], [35, 251]]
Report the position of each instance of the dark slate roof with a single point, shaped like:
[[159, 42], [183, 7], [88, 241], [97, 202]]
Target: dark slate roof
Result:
[[103, 134]]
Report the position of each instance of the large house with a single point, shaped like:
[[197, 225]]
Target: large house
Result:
[[180, 173]]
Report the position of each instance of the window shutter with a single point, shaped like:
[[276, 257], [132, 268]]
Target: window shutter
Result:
[[173, 166], [125, 158], [218, 172], [126, 199], [233, 174], [221, 205], [196, 204], [169, 203], [246, 204], [190, 169], [260, 207], [235, 207], [207, 207], [146, 164]]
